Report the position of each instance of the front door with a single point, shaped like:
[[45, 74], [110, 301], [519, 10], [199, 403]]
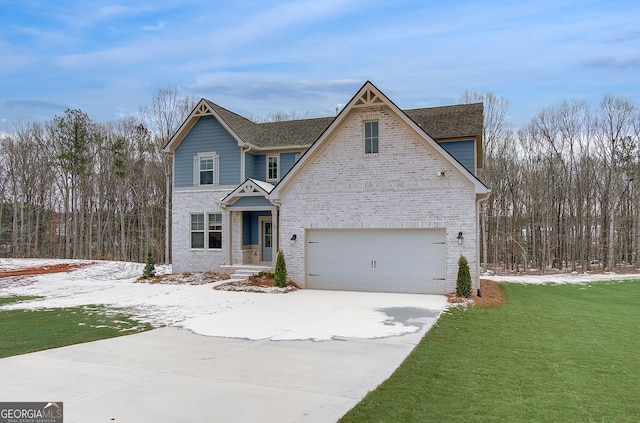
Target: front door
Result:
[[267, 240]]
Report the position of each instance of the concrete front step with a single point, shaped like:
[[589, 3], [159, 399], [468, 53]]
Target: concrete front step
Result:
[[244, 271]]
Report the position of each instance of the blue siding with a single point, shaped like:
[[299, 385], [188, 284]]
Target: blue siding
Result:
[[250, 227], [287, 160], [463, 151], [256, 166], [207, 135], [250, 166], [252, 202]]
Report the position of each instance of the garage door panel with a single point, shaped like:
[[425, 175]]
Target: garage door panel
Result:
[[377, 260]]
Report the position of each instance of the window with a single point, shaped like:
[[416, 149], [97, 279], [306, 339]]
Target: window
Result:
[[197, 230], [272, 167], [205, 169], [215, 230], [371, 137], [212, 232]]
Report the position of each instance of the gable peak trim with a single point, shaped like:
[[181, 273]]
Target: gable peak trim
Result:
[[368, 98], [203, 109]]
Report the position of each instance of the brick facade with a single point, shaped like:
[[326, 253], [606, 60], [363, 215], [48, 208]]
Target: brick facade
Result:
[[398, 188], [185, 203]]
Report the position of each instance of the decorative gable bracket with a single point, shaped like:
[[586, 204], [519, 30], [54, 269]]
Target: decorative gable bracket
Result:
[[202, 109], [368, 98]]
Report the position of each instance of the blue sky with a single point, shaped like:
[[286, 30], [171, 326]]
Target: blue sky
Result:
[[261, 57]]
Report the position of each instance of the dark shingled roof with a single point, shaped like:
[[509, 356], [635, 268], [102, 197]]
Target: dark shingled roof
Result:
[[444, 122]]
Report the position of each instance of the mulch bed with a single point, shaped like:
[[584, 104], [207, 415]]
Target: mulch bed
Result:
[[492, 295], [260, 284], [196, 278]]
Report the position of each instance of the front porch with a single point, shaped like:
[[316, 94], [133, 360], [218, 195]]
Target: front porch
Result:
[[252, 225]]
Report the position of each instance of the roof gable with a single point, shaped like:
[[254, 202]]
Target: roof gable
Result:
[[203, 108], [249, 188], [370, 95]]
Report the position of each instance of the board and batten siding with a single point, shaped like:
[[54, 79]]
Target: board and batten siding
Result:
[[463, 151], [207, 135]]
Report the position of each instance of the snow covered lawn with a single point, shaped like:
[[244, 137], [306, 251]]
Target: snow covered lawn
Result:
[[303, 314]]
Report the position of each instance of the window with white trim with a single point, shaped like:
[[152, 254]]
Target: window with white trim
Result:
[[272, 168], [371, 137], [212, 232], [197, 230], [205, 167]]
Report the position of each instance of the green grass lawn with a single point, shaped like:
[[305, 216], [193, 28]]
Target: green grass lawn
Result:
[[559, 353], [23, 331]]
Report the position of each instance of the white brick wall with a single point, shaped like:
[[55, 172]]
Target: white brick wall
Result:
[[184, 203], [398, 188]]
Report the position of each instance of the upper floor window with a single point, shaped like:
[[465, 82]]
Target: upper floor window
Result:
[[371, 137], [206, 166], [272, 168]]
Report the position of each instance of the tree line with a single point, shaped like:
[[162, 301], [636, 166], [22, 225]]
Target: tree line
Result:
[[565, 186], [74, 188]]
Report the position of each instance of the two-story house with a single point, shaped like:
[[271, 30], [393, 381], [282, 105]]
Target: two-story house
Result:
[[375, 198]]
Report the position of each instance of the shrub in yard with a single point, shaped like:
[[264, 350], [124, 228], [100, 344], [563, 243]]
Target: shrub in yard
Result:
[[150, 266], [463, 284], [280, 274]]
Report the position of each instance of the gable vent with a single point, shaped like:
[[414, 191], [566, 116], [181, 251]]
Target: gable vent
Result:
[[368, 98], [203, 109]]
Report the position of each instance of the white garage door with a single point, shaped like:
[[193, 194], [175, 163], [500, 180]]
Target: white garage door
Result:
[[377, 260]]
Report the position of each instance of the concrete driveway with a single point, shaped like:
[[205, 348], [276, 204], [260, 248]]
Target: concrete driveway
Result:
[[173, 375]]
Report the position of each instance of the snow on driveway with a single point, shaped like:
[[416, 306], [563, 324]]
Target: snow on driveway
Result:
[[301, 315]]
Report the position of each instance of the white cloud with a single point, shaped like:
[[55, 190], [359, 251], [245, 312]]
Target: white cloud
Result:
[[155, 27]]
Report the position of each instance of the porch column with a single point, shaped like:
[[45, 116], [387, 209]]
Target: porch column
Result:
[[275, 238], [229, 232]]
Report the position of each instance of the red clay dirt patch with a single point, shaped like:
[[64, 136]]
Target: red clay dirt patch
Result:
[[53, 268], [492, 295]]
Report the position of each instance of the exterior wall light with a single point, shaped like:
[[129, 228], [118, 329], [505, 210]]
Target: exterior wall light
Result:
[[460, 238], [294, 237]]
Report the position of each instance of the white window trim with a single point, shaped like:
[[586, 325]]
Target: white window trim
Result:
[[208, 231], [205, 231], [192, 231], [277, 157], [216, 168], [364, 139]]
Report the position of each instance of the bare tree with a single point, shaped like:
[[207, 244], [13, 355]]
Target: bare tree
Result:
[[494, 136], [163, 117]]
